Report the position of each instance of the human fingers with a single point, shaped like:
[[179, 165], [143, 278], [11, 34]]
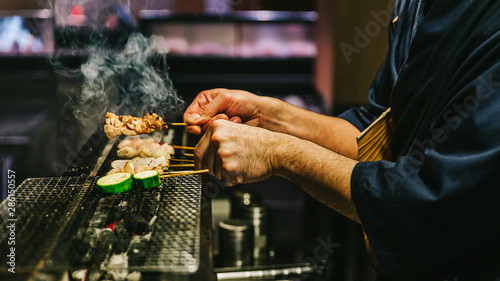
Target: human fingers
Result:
[[206, 105], [236, 153], [209, 157], [220, 116], [201, 149], [206, 152], [193, 129], [200, 100], [235, 119], [203, 108], [217, 166], [198, 129]]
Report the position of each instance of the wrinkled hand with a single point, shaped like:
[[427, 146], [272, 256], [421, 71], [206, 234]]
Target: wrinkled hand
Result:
[[237, 153], [234, 105]]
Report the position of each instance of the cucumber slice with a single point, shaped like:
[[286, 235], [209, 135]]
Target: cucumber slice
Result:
[[115, 183], [147, 179]]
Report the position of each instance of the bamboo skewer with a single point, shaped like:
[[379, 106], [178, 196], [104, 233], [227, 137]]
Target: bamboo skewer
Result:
[[175, 124], [165, 124], [182, 147], [188, 154], [176, 172], [181, 166], [184, 173], [182, 160]]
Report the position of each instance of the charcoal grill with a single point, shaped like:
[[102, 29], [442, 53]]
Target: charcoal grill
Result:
[[62, 221]]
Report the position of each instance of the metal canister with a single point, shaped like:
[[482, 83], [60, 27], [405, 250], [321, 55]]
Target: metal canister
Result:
[[235, 243], [240, 199], [260, 215]]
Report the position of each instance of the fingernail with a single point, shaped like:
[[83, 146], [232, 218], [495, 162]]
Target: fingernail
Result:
[[193, 117]]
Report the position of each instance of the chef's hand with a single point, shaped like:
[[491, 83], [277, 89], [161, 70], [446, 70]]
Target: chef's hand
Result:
[[236, 153], [210, 105]]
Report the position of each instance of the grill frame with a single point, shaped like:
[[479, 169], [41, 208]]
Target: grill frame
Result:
[[48, 206], [81, 199]]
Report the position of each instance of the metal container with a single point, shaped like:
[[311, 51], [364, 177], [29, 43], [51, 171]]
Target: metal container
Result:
[[239, 199], [235, 243], [260, 215]]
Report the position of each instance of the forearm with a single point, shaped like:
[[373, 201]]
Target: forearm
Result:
[[333, 133], [322, 173]]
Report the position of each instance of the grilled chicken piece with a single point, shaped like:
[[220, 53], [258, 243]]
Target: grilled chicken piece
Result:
[[116, 125], [138, 165], [143, 147]]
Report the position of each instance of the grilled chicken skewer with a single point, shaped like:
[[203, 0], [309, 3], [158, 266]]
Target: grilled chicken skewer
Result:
[[116, 125]]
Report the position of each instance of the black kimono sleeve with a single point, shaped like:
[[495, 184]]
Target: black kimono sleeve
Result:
[[436, 210], [433, 213]]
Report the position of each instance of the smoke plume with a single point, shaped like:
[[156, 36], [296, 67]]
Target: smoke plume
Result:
[[126, 82]]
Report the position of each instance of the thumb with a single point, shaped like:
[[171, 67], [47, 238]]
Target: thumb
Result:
[[216, 117], [209, 110]]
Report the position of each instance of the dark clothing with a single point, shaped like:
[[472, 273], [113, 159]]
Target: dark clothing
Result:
[[433, 213]]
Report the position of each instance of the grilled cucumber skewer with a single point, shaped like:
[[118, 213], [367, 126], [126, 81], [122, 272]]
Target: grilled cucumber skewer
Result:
[[147, 179], [115, 183]]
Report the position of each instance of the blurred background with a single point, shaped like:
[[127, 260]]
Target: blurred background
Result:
[[320, 55]]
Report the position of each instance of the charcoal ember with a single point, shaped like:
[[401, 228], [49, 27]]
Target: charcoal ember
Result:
[[109, 276], [95, 275], [79, 275], [82, 235], [99, 219], [95, 256], [134, 276], [102, 242], [118, 266], [137, 250], [88, 258], [117, 212], [136, 224], [123, 237], [78, 254], [87, 235], [80, 246], [148, 211]]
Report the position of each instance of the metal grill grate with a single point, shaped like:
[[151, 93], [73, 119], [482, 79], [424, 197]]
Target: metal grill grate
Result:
[[57, 217], [43, 206], [179, 222]]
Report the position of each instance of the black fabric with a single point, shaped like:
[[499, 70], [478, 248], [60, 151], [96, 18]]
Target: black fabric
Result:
[[434, 212]]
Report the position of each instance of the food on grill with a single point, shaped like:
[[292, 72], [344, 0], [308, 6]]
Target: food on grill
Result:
[[127, 152], [138, 165], [143, 147], [147, 179], [116, 125], [128, 168], [115, 183]]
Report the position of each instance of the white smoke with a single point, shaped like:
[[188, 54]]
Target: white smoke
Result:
[[127, 82]]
